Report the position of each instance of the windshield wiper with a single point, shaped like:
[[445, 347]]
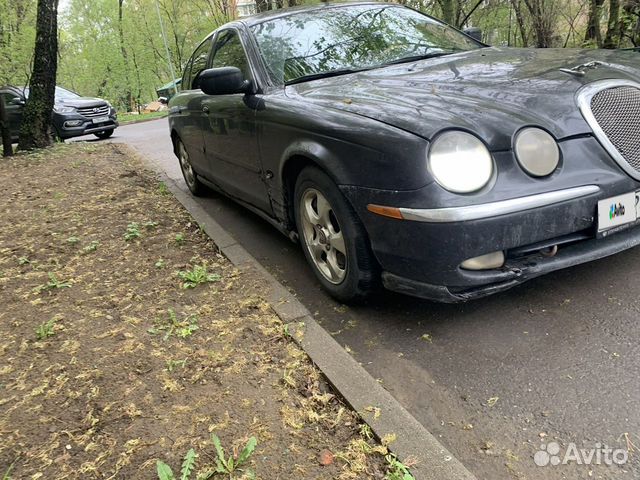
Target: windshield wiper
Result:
[[331, 73]]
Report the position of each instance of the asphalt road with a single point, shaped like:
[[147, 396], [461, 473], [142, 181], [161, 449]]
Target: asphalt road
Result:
[[554, 360]]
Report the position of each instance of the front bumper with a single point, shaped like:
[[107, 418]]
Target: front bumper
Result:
[[86, 126], [421, 255]]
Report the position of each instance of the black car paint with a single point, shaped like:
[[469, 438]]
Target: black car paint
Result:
[[58, 119], [370, 132]]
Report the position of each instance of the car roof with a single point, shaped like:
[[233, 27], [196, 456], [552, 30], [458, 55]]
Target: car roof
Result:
[[285, 12]]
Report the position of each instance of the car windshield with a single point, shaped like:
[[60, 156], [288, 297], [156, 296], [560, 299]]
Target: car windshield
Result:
[[61, 94], [330, 41]]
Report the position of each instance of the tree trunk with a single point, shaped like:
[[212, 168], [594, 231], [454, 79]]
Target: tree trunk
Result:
[[35, 131], [7, 148], [612, 40], [522, 26], [543, 20], [123, 51], [448, 11], [593, 33]]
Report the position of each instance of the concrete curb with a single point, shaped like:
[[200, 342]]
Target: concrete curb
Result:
[[358, 388]]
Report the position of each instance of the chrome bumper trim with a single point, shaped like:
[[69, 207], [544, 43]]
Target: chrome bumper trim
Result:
[[494, 209]]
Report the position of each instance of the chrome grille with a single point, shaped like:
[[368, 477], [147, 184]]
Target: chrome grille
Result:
[[612, 110], [617, 111], [94, 111]]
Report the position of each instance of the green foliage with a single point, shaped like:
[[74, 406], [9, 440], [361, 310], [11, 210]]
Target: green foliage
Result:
[[132, 232], [46, 330], [52, 284], [23, 261], [196, 276], [172, 325], [230, 465], [73, 240], [92, 247], [163, 189], [179, 238], [396, 470]]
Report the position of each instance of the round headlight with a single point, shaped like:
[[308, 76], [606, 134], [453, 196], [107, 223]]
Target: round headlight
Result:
[[460, 162], [537, 152]]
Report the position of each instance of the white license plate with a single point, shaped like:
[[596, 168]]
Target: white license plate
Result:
[[100, 119], [616, 211]]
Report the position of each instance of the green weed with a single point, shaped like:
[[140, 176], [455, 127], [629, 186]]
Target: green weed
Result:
[[24, 261], [150, 225], [163, 189], [188, 466], [46, 330], [231, 465], [160, 264], [196, 276], [132, 232], [396, 469], [73, 240], [179, 238], [92, 247], [172, 325], [173, 364], [52, 284]]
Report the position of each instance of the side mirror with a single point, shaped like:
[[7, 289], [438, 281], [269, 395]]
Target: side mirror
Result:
[[163, 100], [474, 32], [17, 101], [223, 81]]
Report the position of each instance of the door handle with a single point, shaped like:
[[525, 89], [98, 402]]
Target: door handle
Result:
[[205, 109]]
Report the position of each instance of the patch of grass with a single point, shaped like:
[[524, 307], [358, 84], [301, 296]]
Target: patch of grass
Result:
[[73, 240], [179, 238], [150, 225], [160, 263], [132, 232], [196, 276], [52, 284], [128, 118], [172, 325], [46, 330], [23, 261], [163, 189]]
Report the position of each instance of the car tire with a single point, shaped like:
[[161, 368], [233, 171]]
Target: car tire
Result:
[[104, 134], [333, 239], [196, 187]]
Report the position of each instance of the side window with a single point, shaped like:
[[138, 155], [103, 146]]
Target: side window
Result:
[[228, 52], [196, 65], [7, 97]]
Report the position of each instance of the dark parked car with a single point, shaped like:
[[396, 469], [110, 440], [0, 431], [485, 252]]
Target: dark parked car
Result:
[[402, 151], [72, 115]]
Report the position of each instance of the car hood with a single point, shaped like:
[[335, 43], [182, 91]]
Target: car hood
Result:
[[490, 91], [82, 102]]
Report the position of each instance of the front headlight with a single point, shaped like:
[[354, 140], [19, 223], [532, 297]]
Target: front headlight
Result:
[[63, 109], [536, 151], [460, 162]]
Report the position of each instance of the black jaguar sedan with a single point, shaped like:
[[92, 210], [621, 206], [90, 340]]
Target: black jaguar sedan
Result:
[[72, 116], [402, 152]]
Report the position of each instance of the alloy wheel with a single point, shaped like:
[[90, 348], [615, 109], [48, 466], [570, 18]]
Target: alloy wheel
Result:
[[185, 165], [323, 236]]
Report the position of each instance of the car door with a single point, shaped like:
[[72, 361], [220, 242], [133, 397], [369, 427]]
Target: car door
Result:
[[14, 104], [231, 142], [188, 104]]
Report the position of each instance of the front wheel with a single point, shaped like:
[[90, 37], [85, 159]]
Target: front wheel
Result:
[[104, 134], [196, 187], [333, 239]]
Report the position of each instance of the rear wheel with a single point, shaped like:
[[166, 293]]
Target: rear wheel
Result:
[[190, 177], [334, 241], [104, 134]]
